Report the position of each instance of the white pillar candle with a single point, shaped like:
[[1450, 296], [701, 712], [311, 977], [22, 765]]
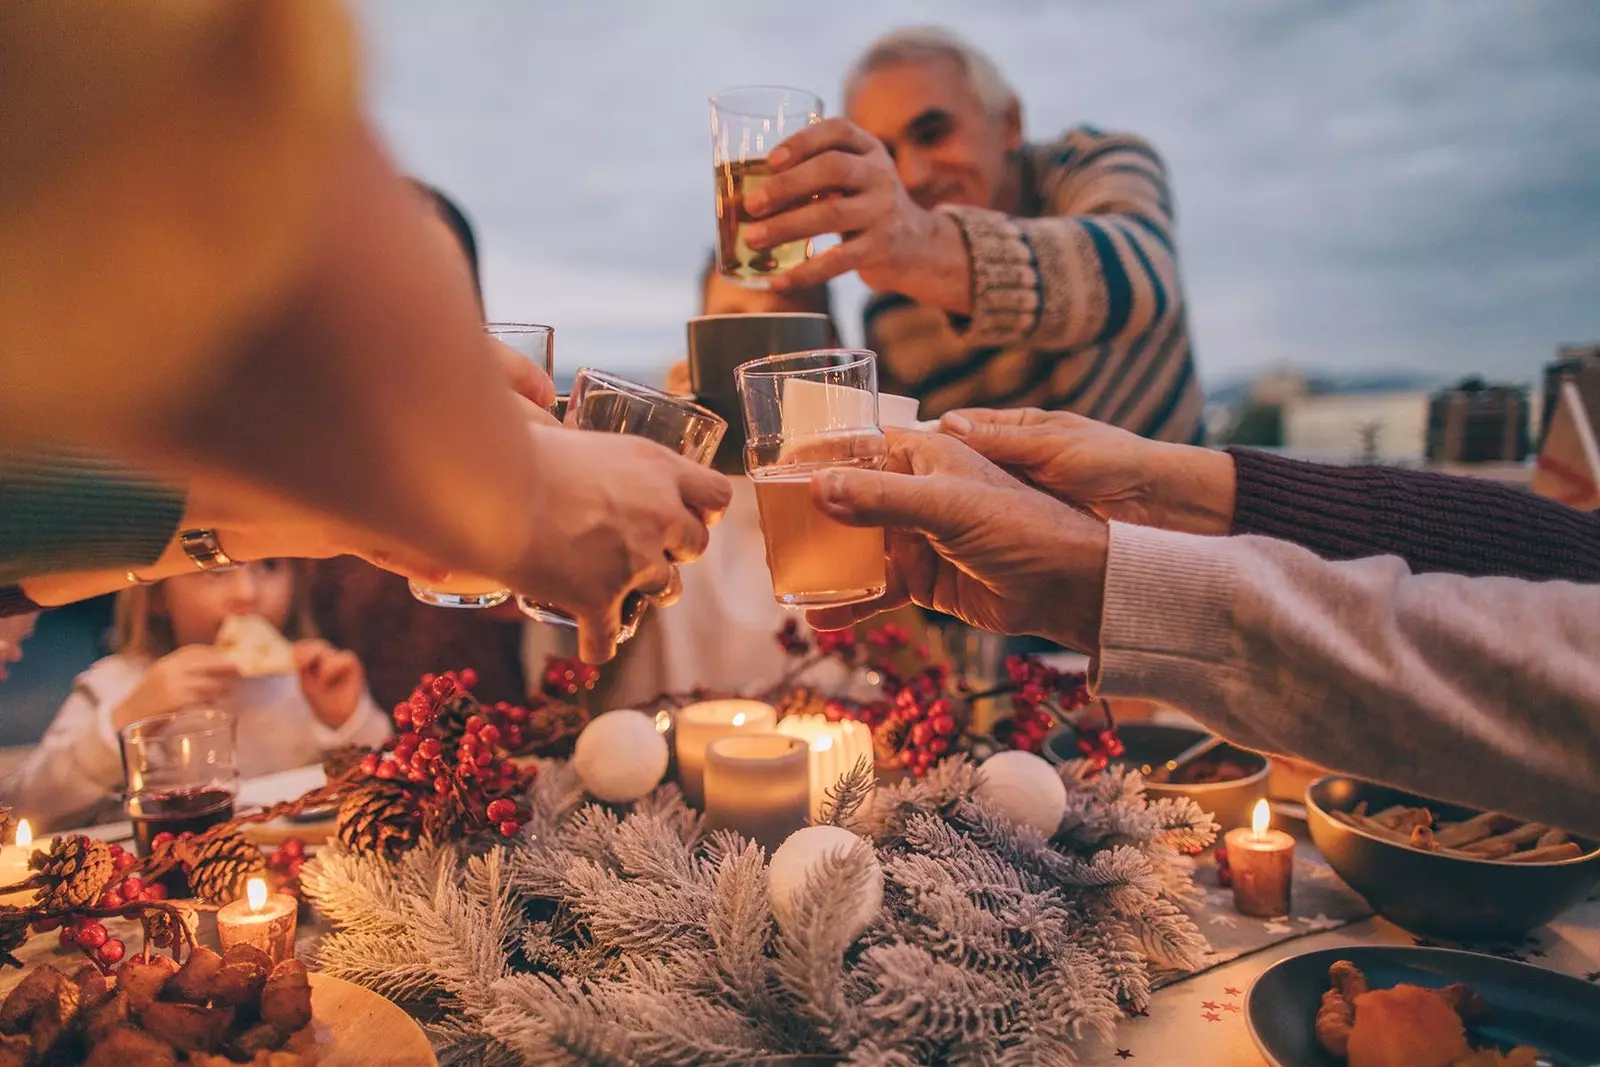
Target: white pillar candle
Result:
[[757, 784], [696, 726], [835, 748], [265, 920], [14, 864]]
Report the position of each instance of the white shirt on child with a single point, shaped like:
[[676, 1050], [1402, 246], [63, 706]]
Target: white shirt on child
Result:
[[70, 778]]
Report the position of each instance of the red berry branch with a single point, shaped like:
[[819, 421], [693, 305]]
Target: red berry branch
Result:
[[923, 714]]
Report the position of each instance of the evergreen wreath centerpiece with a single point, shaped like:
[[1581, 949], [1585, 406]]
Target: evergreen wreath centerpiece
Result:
[[937, 919]]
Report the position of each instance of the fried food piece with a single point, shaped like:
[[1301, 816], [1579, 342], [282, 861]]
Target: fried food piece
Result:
[[143, 980], [1566, 850], [1348, 979], [187, 1027], [1465, 1002], [1551, 837], [286, 1001], [1457, 834], [262, 1037], [15, 1050], [38, 988], [53, 1018], [93, 986], [127, 1047], [1334, 1020], [242, 977], [102, 1018], [193, 981], [1422, 838], [1406, 1026]]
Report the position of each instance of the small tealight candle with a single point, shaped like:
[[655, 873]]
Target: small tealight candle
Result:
[[14, 864], [265, 921], [1262, 862], [758, 785], [835, 748], [696, 726]]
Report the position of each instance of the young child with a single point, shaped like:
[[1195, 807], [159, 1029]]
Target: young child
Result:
[[165, 661]]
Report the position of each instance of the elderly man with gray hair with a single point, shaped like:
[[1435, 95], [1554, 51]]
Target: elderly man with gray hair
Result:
[[1005, 274]]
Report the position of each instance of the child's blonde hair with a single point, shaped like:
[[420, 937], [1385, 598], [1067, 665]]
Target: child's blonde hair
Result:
[[137, 629]]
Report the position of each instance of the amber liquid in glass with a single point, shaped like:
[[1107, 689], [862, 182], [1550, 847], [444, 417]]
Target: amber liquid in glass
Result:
[[815, 560], [735, 180]]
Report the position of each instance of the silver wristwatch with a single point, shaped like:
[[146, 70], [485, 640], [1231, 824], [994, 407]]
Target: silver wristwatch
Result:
[[201, 546]]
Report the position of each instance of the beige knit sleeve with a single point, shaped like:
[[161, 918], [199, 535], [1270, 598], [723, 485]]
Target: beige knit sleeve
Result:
[[1096, 266], [158, 165]]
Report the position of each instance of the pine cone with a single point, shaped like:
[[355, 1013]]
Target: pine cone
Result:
[[381, 818], [339, 760], [75, 872], [801, 701], [219, 866], [8, 822]]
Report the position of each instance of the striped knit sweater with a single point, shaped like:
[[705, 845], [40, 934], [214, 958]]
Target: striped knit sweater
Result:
[[1076, 300]]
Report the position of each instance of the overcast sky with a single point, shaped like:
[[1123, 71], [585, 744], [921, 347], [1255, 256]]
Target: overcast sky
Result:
[[1412, 184]]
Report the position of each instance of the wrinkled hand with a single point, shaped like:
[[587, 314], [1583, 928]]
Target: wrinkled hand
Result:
[[332, 681], [618, 511], [194, 674], [834, 177], [967, 539], [1113, 473]]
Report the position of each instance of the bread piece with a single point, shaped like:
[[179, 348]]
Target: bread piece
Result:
[[93, 986], [286, 1001], [255, 646], [142, 980], [262, 1037], [54, 1018], [187, 1027], [193, 981], [127, 1047]]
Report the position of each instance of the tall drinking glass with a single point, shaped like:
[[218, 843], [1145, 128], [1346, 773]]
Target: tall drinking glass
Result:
[[536, 344], [182, 773], [746, 124], [608, 403], [805, 412]]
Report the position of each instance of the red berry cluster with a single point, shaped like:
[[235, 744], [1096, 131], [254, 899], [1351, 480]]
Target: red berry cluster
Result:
[[126, 887], [1224, 872], [285, 862], [90, 935], [457, 748], [566, 679], [1043, 696]]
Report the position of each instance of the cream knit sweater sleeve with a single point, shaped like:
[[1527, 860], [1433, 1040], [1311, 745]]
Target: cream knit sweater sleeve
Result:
[[1484, 691]]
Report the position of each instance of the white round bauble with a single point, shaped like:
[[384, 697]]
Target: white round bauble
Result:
[[803, 852], [620, 756], [1025, 789]]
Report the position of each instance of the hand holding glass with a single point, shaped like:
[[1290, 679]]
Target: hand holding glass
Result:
[[608, 403], [746, 124], [805, 412]]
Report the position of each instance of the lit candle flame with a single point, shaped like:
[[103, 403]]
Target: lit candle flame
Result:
[[1260, 818], [255, 891], [24, 833], [738, 720]]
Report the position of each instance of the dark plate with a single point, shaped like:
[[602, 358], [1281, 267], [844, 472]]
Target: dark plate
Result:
[[1554, 1013]]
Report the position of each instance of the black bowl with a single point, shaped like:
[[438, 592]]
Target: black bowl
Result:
[[1150, 745], [1432, 892], [1554, 1013]]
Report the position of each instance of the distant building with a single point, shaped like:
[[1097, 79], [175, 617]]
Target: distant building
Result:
[[1382, 427]]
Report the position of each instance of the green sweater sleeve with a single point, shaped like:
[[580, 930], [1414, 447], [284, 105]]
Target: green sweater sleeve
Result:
[[64, 510]]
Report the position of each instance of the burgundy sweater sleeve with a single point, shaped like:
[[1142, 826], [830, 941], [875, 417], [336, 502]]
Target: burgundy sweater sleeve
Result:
[[1435, 522]]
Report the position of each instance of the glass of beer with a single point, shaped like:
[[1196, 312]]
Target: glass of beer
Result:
[[537, 344], [609, 403], [805, 412], [746, 124]]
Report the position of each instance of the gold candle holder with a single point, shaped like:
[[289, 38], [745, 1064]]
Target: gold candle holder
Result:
[[758, 785], [697, 725], [267, 922]]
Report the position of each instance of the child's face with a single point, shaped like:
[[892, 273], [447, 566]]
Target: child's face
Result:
[[197, 603]]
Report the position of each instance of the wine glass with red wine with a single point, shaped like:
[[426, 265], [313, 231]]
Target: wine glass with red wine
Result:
[[182, 773]]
